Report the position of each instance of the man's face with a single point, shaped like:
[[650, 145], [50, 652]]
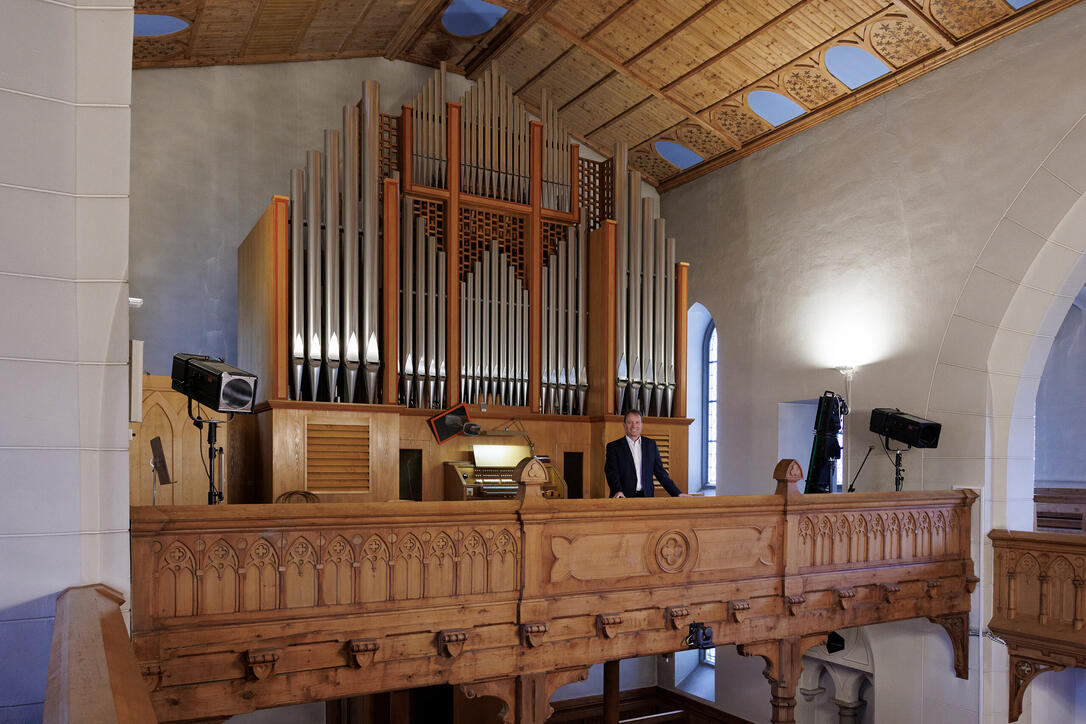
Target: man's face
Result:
[[633, 426]]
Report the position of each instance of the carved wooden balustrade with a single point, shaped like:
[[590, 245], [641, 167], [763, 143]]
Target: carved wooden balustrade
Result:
[[243, 607], [1039, 604]]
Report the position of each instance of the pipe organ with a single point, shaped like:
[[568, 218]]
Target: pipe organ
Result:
[[459, 252]]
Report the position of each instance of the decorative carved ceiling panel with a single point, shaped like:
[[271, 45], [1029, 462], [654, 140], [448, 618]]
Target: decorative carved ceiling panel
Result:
[[632, 71]]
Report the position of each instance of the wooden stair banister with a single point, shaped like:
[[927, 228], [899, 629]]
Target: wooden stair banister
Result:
[[93, 674]]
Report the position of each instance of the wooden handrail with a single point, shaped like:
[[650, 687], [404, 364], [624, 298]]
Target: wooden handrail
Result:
[[93, 674], [237, 607]]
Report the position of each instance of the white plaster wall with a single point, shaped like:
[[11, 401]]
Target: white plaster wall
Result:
[[632, 674], [64, 109], [210, 146], [919, 238], [1061, 405]]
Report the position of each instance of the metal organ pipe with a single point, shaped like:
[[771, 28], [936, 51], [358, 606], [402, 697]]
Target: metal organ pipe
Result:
[[313, 271], [371, 130], [330, 300], [350, 269], [297, 281]]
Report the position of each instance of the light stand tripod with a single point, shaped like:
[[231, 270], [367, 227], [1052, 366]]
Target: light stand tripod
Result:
[[899, 469], [214, 494]]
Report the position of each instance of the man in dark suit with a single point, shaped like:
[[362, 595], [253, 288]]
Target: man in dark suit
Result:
[[632, 461]]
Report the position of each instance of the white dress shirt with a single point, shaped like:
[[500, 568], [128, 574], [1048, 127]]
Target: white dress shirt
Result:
[[635, 450]]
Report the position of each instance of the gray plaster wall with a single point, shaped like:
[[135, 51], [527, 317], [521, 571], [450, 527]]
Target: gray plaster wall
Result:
[[210, 146], [1061, 405], [850, 244]]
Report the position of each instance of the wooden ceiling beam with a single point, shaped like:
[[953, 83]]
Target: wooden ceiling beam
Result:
[[497, 45], [303, 27], [736, 45], [252, 28], [413, 28], [598, 27], [357, 24], [637, 77], [673, 32], [917, 16], [619, 117], [544, 69], [588, 90]]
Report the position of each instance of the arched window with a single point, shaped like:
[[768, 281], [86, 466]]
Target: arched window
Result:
[[709, 364]]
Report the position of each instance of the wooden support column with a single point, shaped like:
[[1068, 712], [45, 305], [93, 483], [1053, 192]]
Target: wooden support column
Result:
[[601, 320], [782, 671], [535, 266], [452, 259], [610, 692], [391, 282]]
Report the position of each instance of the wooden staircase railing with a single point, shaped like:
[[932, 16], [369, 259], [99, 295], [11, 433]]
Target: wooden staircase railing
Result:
[[93, 674], [1039, 604], [243, 607]]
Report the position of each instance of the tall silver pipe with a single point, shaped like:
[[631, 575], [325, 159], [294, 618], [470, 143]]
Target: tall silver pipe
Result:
[[622, 264], [524, 345], [572, 257], [484, 345], [432, 322], [350, 328], [552, 346], [634, 313], [477, 331], [659, 363], [297, 279], [670, 310], [442, 329], [495, 318], [371, 273], [545, 341], [313, 270], [421, 353], [465, 335], [406, 228], [330, 298], [562, 329], [648, 316], [407, 318], [582, 311]]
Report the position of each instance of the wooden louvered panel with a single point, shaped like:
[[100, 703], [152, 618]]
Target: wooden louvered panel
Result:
[[663, 443], [337, 457]]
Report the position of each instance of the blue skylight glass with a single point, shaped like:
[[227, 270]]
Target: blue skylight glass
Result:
[[1020, 3], [854, 66], [678, 154], [774, 107], [150, 25], [471, 17]]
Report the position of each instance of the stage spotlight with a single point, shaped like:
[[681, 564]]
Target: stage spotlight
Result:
[[213, 383]]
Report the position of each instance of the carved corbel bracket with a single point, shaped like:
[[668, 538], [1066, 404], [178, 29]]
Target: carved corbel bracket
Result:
[[502, 689], [677, 617], [362, 651], [795, 603], [1023, 671], [971, 583], [934, 584], [738, 609], [956, 626], [261, 662], [846, 597], [152, 675], [531, 634], [890, 592], [556, 679], [607, 624], [450, 642]]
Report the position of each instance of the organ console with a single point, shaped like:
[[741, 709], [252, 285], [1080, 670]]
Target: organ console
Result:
[[489, 474], [447, 254]]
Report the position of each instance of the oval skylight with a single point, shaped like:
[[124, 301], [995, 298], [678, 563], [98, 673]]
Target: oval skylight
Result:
[[147, 26], [678, 154], [854, 66], [471, 17], [773, 107]]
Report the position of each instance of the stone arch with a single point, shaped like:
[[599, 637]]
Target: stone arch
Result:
[[998, 340]]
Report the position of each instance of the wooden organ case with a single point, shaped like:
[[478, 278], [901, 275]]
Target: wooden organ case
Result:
[[456, 252]]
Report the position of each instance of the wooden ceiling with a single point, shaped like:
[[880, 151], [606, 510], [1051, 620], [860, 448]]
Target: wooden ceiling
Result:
[[637, 71]]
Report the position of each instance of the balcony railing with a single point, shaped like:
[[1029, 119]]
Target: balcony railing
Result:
[[1039, 604], [244, 607]]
